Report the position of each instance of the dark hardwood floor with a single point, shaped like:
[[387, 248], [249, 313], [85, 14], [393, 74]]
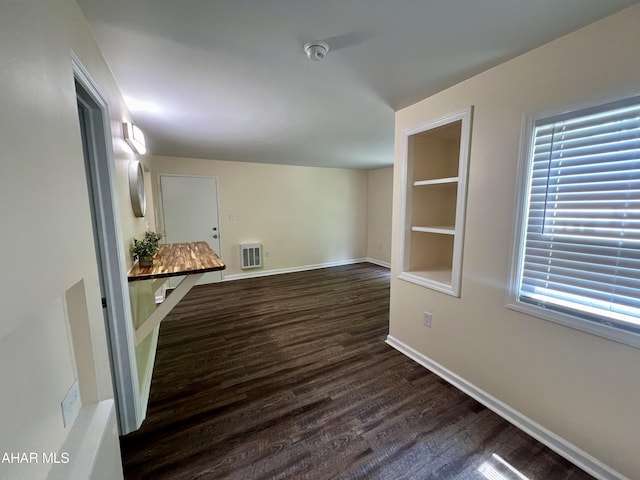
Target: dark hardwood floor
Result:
[[288, 377]]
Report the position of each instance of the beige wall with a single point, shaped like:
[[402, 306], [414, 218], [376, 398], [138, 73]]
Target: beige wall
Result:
[[379, 212], [580, 386], [48, 259], [302, 215]]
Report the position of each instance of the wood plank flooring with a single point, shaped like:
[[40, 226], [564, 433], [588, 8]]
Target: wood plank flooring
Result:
[[288, 377]]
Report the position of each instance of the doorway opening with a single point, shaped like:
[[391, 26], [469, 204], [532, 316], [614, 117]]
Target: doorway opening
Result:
[[95, 131]]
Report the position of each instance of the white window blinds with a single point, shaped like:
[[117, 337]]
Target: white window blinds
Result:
[[582, 240]]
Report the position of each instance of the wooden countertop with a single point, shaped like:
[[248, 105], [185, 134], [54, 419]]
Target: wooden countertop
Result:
[[175, 259]]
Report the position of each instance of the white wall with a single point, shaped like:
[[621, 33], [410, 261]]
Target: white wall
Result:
[[302, 215], [48, 260], [379, 214], [581, 387]]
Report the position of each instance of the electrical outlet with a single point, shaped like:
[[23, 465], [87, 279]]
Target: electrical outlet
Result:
[[71, 404], [426, 319]]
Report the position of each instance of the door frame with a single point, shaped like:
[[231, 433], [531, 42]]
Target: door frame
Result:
[[110, 251], [160, 204]]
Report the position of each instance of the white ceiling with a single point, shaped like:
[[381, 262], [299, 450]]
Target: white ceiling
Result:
[[228, 79]]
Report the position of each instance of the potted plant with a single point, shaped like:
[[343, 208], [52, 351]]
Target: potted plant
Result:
[[144, 250], [153, 236]]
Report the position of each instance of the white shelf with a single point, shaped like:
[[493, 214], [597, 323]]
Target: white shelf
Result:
[[442, 230], [442, 275], [437, 279], [436, 181]]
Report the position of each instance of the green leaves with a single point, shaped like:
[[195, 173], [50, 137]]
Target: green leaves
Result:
[[148, 246]]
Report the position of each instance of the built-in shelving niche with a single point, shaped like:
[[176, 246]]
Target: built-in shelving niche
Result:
[[435, 186]]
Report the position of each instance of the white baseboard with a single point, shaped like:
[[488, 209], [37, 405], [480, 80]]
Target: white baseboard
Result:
[[378, 262], [302, 268], [559, 445]]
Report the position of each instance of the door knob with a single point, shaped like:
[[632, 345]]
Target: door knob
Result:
[[215, 235]]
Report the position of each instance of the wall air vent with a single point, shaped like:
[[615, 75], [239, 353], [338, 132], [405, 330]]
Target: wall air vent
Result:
[[251, 255]]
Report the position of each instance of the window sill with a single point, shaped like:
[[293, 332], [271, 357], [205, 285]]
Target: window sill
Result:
[[601, 330]]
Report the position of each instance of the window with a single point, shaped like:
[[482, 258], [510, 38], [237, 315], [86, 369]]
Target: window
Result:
[[578, 258]]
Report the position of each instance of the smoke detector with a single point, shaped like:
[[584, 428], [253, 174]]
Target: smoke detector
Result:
[[316, 51]]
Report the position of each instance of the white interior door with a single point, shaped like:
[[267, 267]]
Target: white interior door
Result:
[[190, 213]]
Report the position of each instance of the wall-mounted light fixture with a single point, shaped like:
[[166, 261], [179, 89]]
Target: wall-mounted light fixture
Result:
[[135, 138]]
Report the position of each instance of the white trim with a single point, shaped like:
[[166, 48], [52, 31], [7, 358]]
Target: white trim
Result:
[[85, 442], [465, 116], [429, 280], [131, 411], [402, 256], [520, 215], [380, 263], [601, 330], [520, 205], [301, 268], [556, 443]]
